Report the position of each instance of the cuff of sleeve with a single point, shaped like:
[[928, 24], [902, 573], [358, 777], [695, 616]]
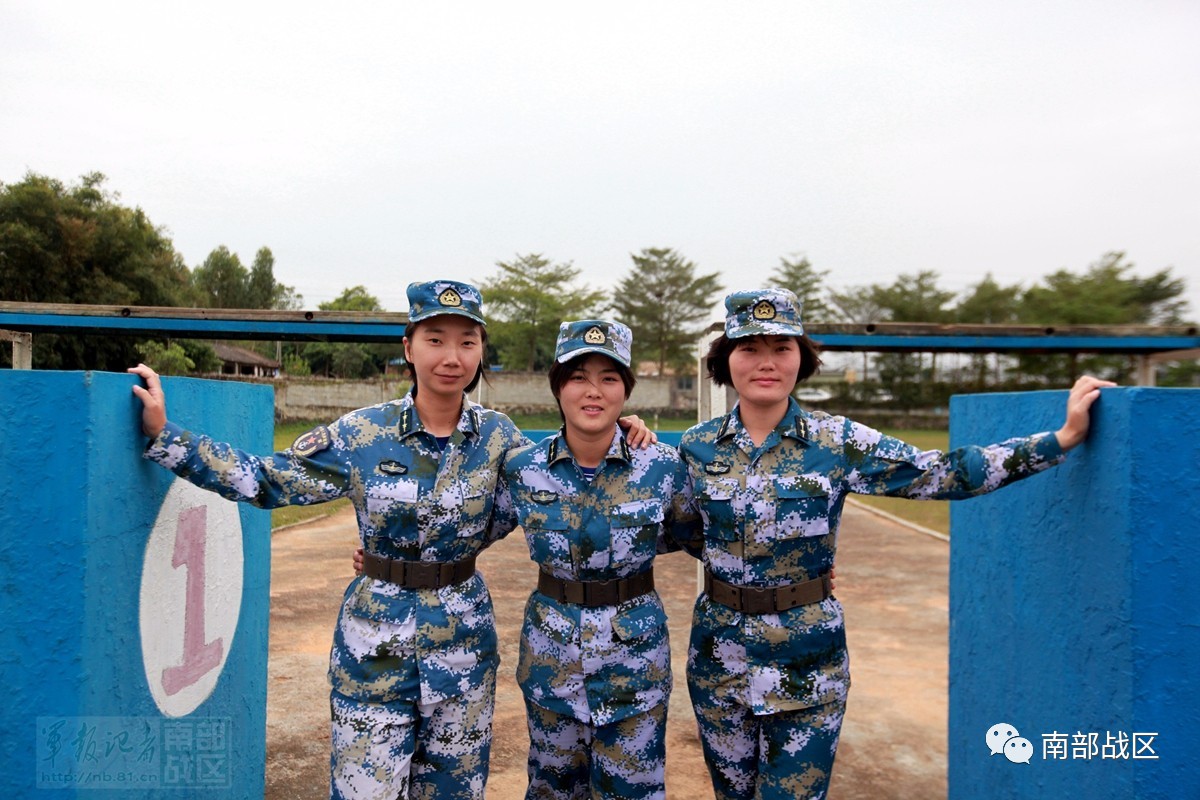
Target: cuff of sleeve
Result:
[[1048, 448], [159, 448]]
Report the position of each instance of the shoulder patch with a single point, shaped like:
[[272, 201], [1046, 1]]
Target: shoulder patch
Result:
[[314, 441]]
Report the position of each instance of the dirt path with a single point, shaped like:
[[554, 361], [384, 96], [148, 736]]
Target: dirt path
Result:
[[893, 583]]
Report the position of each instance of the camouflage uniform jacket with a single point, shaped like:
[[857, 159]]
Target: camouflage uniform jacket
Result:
[[771, 517], [598, 665], [411, 501]]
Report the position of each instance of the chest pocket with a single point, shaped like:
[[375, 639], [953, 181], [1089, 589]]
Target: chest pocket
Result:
[[547, 533], [716, 498], [476, 508], [801, 508], [633, 531], [392, 506]]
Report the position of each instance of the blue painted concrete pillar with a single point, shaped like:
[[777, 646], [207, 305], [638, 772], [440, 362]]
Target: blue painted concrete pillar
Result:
[[1075, 606], [134, 607]]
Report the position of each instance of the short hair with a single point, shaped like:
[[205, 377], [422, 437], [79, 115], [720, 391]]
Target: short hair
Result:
[[480, 374], [716, 360], [559, 373]]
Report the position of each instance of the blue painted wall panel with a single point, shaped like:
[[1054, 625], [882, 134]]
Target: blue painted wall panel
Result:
[[78, 506], [1073, 600]]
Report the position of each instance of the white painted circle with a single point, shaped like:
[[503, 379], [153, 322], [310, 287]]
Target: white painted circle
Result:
[[178, 685]]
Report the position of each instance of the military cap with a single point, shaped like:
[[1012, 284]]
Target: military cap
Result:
[[601, 336], [429, 299], [762, 312]]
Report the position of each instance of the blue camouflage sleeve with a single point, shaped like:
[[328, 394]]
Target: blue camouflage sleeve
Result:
[[884, 465], [314, 470]]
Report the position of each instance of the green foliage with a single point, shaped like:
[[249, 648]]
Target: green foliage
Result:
[[295, 365], [348, 360], [914, 298], [799, 275], [524, 304], [666, 305], [1106, 294], [355, 298], [165, 360], [78, 244], [223, 282], [202, 355]]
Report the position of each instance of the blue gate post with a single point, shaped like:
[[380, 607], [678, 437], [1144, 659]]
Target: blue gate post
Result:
[[1075, 606], [134, 643]]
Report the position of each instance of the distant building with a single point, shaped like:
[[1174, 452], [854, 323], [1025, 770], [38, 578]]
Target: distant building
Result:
[[240, 361]]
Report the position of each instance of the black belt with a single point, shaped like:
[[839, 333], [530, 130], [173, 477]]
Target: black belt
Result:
[[595, 594], [418, 574], [767, 600]]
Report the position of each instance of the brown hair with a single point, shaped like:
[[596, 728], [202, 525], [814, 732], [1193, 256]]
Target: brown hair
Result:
[[560, 372], [716, 360], [480, 373]]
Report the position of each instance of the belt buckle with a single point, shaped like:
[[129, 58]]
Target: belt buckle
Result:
[[422, 574], [757, 601], [599, 593]]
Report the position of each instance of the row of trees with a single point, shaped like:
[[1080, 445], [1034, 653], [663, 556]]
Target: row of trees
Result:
[[668, 303], [78, 244]]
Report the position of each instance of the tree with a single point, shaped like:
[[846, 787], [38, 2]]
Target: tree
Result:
[[857, 305], [912, 298], [988, 303], [355, 298], [525, 303], [263, 291], [799, 275], [78, 244], [348, 359], [665, 304], [1106, 294], [223, 282], [165, 360]]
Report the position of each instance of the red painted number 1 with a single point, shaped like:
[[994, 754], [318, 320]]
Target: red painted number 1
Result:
[[199, 656]]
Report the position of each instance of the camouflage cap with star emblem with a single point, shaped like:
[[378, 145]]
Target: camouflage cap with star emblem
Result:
[[763, 312], [601, 336], [429, 299]]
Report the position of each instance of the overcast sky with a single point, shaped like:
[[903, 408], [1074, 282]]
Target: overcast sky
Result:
[[408, 142]]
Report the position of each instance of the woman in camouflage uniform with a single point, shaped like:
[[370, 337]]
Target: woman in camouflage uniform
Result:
[[413, 663], [768, 672], [595, 663]]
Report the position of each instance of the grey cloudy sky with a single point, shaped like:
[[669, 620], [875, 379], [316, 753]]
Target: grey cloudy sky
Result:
[[378, 143]]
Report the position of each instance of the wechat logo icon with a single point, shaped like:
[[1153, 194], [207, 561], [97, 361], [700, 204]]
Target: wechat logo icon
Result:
[[1003, 738]]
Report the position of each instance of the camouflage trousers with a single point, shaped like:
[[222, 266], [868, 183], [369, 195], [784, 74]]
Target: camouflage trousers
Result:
[[386, 742], [781, 756], [573, 760], [412, 750]]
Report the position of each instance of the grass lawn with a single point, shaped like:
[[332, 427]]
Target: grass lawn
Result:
[[932, 514]]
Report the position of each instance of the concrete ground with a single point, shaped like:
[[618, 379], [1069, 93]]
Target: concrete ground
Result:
[[891, 580]]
